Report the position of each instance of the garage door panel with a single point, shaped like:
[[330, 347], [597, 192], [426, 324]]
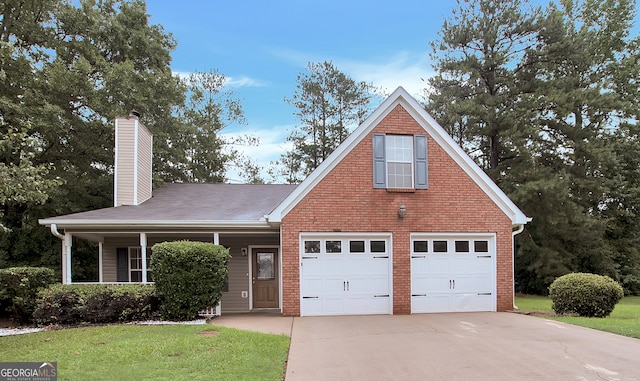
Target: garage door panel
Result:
[[448, 274], [353, 278]]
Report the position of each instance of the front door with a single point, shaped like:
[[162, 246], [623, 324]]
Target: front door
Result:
[[265, 278]]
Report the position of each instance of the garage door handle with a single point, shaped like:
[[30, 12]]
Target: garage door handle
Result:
[[381, 296], [309, 257], [484, 293], [483, 256], [418, 256], [310, 297], [454, 284], [449, 284], [381, 256], [418, 294]]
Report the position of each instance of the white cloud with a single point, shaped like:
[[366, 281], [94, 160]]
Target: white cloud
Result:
[[272, 145], [230, 81], [402, 69]]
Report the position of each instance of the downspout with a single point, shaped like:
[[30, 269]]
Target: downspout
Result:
[[55, 232], [513, 261]]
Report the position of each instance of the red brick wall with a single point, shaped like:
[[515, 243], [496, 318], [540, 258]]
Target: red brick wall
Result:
[[345, 201]]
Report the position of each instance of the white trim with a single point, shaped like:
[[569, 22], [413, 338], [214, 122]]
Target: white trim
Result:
[[85, 223], [250, 259], [433, 129], [135, 160], [68, 242], [216, 238], [100, 265], [143, 255], [115, 165]]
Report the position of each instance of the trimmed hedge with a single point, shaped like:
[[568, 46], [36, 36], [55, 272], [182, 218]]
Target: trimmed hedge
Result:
[[19, 288], [189, 276], [96, 303], [588, 295]]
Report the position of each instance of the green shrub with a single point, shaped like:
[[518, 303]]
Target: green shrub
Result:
[[19, 287], [189, 276], [96, 303], [587, 295]]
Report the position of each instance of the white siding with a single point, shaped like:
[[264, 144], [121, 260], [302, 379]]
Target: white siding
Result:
[[133, 162]]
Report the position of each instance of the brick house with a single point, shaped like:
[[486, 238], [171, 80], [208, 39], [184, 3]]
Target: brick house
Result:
[[397, 220]]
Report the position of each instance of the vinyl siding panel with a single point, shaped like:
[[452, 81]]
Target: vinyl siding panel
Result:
[[239, 277], [133, 186], [109, 257], [145, 143], [124, 161]]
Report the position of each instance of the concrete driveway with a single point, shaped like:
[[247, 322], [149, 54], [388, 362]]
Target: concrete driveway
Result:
[[465, 346]]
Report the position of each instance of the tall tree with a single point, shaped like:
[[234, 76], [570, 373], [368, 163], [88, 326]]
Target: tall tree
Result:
[[328, 103], [68, 69], [530, 95]]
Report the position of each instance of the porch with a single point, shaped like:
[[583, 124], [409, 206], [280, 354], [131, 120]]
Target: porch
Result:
[[124, 257]]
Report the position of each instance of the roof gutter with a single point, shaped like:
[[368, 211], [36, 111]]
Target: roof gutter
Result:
[[106, 224], [513, 260]]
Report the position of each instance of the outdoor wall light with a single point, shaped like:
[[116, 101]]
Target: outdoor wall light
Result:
[[402, 211]]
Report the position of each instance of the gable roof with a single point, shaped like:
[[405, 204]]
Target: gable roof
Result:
[[201, 205], [426, 121]]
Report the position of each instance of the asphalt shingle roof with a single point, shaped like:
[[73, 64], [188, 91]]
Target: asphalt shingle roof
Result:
[[195, 202]]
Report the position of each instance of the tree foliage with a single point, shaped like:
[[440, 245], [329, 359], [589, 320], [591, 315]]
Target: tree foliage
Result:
[[328, 103], [541, 99], [67, 69]]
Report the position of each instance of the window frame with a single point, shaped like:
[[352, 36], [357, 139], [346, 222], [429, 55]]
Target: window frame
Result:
[[138, 251], [381, 161]]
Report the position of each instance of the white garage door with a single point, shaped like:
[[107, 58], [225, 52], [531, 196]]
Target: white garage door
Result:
[[345, 275], [453, 273]]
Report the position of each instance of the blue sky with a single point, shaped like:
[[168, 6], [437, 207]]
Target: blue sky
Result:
[[262, 46]]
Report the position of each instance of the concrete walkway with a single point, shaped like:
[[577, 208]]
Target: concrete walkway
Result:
[[463, 346]]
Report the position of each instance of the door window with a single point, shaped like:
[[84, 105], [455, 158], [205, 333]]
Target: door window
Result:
[[265, 269]]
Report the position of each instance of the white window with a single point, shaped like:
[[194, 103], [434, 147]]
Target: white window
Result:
[[135, 265], [399, 154], [400, 161]]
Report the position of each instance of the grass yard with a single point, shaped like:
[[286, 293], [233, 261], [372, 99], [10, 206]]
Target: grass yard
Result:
[[624, 320], [168, 352]]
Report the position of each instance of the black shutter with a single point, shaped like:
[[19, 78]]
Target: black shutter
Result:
[[379, 165], [122, 254], [420, 156]]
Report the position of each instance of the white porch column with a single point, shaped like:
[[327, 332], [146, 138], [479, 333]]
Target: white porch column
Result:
[[143, 252], [100, 270], [216, 241], [68, 242]]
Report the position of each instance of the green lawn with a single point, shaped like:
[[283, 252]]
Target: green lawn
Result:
[[624, 320], [168, 352]]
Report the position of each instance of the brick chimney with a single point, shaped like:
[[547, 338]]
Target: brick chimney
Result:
[[133, 155]]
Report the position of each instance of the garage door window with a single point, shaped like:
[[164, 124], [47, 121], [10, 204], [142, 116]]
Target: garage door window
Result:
[[481, 246], [440, 246], [378, 247], [311, 247], [333, 247], [462, 246], [356, 246], [420, 246]]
